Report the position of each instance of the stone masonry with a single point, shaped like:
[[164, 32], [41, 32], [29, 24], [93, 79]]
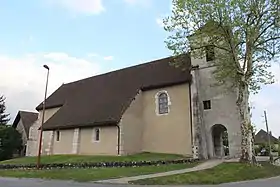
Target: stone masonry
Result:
[[223, 112]]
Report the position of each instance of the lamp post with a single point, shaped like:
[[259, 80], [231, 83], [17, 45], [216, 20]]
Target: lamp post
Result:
[[43, 116], [268, 137]]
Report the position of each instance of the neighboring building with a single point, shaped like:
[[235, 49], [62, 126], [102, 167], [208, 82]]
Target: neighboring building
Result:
[[262, 138], [22, 123], [151, 107]]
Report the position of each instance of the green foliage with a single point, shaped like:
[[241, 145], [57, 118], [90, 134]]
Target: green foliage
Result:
[[245, 38], [10, 142], [244, 34], [266, 147], [253, 128], [4, 117]]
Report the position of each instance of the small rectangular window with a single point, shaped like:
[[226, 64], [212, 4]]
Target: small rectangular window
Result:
[[96, 135], [57, 136], [207, 105], [210, 55]]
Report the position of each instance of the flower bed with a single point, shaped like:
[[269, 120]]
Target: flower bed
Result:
[[97, 165]]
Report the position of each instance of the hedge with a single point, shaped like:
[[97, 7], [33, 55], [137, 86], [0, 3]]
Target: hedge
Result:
[[96, 165]]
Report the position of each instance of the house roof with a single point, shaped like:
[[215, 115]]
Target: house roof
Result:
[[102, 99], [28, 118], [261, 137]]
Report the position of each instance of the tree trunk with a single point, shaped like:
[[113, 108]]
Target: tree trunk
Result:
[[243, 109]]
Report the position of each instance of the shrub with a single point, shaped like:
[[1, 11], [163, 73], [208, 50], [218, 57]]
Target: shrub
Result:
[[97, 165], [10, 142]]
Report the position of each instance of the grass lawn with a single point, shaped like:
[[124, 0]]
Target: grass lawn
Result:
[[226, 172], [83, 175], [80, 158]]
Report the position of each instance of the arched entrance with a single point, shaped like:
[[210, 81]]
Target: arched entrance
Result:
[[220, 141]]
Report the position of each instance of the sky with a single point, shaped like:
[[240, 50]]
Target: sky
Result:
[[82, 38]]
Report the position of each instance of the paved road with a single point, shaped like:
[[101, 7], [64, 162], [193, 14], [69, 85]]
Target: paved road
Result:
[[10, 182]]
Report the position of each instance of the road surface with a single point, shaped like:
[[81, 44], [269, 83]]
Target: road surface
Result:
[[12, 182]]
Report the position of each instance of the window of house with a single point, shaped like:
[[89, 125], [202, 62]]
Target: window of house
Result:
[[163, 103], [96, 135], [210, 55], [57, 135], [207, 105]]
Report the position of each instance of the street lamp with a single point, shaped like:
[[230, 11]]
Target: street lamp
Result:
[[268, 137], [43, 116]]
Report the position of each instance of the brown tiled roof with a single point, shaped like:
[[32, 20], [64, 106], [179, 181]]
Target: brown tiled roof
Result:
[[28, 118], [261, 137], [102, 99]]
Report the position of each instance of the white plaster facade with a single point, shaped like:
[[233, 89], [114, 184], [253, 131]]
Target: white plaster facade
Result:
[[143, 129], [223, 110], [47, 138]]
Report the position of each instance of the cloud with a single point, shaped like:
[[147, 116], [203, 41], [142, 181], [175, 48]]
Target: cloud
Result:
[[92, 55], [22, 80], [159, 21], [108, 58], [89, 7], [275, 69], [101, 57], [56, 56], [268, 99]]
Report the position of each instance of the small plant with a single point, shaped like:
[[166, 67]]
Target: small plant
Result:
[[265, 147], [97, 165]]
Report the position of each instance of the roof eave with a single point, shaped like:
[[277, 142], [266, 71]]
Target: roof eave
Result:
[[40, 107], [16, 121], [164, 85], [95, 124]]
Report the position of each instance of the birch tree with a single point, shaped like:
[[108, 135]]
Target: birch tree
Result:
[[245, 37]]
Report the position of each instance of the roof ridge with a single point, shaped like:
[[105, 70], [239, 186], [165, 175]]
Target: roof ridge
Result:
[[118, 70], [264, 131]]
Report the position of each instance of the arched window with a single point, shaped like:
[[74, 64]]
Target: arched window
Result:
[[163, 103]]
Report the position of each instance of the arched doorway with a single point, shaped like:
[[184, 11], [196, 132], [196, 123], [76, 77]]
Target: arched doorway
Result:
[[220, 141]]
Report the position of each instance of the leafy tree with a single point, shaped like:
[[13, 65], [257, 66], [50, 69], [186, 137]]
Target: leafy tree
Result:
[[266, 147], [4, 117], [10, 142], [244, 36], [10, 138]]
